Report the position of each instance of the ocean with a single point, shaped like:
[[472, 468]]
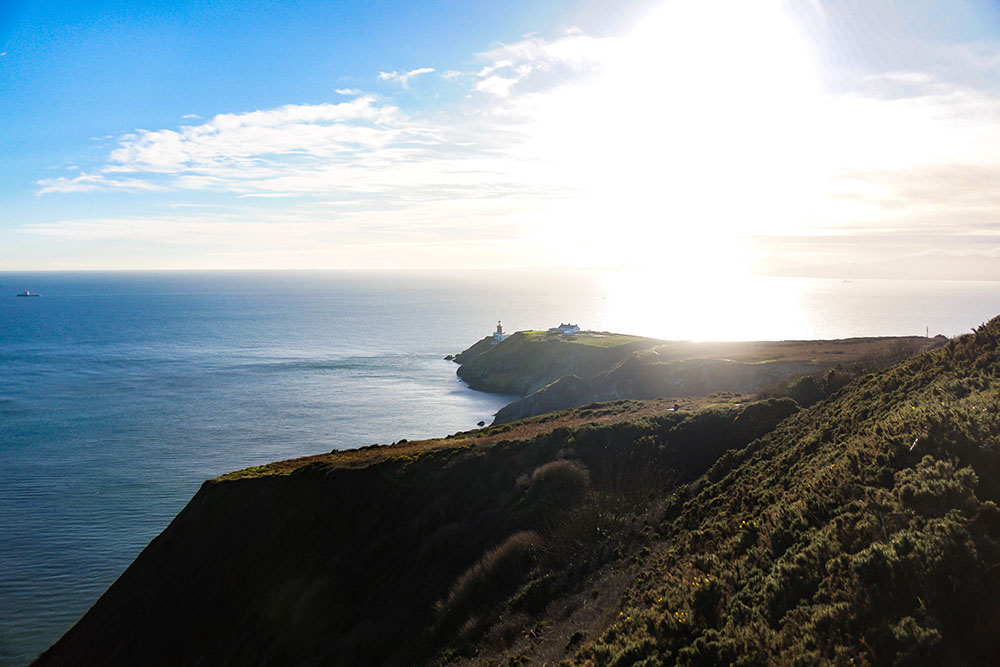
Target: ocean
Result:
[[120, 393]]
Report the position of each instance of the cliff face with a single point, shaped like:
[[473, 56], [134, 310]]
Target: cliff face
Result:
[[527, 361], [392, 560]]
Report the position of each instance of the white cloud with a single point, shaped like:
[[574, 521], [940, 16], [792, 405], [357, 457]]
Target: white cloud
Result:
[[348, 91], [244, 148], [403, 78], [348, 234], [496, 85], [92, 182], [687, 143]]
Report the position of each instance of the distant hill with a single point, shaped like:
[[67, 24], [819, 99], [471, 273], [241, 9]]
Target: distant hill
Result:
[[552, 371], [864, 529]]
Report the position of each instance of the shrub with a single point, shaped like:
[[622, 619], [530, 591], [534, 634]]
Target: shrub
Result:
[[560, 481], [805, 391], [496, 574]]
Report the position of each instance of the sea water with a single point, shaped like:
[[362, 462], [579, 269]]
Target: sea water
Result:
[[121, 392]]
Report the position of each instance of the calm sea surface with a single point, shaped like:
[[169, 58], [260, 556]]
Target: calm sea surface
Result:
[[121, 392]]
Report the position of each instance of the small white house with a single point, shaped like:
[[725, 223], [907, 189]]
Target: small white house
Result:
[[498, 335], [566, 329]]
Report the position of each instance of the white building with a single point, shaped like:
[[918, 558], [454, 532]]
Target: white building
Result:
[[566, 328], [498, 335]]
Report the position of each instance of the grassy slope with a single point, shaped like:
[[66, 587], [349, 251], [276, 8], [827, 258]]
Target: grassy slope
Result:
[[321, 559], [601, 339], [698, 369], [527, 361], [551, 371], [596, 415], [864, 529]]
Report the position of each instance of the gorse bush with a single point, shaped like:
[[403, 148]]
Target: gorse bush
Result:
[[864, 530], [568, 478]]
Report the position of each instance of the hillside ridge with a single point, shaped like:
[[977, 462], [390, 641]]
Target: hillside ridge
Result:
[[551, 371], [862, 529]]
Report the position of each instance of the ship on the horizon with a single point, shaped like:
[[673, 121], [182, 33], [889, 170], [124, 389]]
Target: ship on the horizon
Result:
[[29, 293]]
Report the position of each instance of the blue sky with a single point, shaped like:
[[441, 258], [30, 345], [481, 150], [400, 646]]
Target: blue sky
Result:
[[821, 138], [73, 71]]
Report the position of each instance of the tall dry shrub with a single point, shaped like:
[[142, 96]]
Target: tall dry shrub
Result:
[[497, 573]]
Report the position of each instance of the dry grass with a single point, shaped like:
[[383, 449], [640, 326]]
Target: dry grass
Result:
[[597, 414], [847, 351], [497, 572], [844, 351]]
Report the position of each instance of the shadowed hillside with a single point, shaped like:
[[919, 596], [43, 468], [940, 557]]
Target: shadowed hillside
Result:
[[323, 558], [863, 529]]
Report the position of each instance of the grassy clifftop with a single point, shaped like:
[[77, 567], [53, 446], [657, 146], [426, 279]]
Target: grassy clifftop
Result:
[[551, 371], [864, 529], [528, 360]]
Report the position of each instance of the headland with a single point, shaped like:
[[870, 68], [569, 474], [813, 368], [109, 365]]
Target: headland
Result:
[[705, 531], [551, 370]]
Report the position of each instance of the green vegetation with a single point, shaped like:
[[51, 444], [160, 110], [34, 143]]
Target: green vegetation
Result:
[[529, 360], [324, 557], [552, 371], [864, 529], [591, 338]]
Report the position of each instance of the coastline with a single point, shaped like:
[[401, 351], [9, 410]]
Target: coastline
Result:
[[660, 512]]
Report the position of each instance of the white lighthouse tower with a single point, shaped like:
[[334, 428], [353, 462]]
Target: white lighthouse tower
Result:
[[498, 335]]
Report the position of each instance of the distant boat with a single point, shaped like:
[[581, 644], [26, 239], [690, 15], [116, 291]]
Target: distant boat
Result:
[[27, 293]]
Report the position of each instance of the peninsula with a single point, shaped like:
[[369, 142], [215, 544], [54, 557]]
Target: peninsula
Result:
[[864, 528], [552, 370]]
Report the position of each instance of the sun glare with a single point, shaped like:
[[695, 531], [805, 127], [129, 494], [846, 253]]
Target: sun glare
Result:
[[661, 305], [696, 135]]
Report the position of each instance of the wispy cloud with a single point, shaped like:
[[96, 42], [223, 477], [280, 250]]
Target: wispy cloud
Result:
[[657, 146], [403, 78], [92, 182]]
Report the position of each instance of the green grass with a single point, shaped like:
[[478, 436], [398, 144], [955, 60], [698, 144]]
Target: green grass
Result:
[[596, 339], [865, 530]]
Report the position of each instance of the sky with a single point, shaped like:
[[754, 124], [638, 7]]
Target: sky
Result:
[[723, 138]]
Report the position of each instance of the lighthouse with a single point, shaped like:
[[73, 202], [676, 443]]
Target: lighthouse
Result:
[[498, 335]]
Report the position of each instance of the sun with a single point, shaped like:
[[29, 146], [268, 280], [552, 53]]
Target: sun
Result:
[[700, 133]]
